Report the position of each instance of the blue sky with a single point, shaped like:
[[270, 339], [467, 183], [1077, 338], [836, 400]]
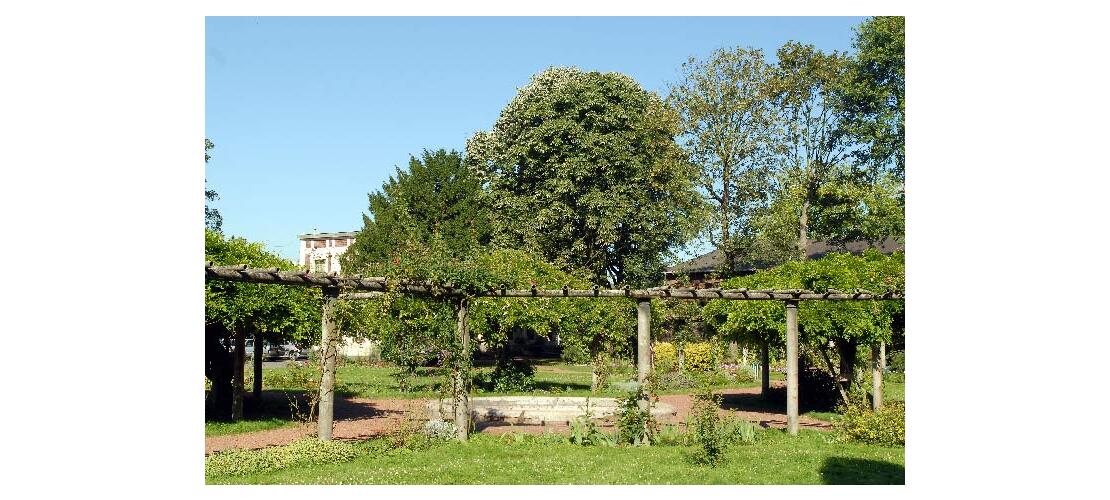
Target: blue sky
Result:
[[309, 114]]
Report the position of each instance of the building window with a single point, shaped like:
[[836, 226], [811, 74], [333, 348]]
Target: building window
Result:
[[317, 243], [319, 266], [340, 243]]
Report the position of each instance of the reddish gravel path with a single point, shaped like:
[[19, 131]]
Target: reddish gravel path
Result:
[[360, 418]]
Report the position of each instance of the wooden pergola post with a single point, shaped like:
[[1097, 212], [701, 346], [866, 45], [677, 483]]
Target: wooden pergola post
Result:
[[257, 366], [328, 353], [643, 340], [876, 377], [240, 343], [765, 371], [792, 367], [461, 397]]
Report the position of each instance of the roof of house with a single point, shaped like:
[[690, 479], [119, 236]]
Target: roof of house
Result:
[[327, 236], [714, 260]]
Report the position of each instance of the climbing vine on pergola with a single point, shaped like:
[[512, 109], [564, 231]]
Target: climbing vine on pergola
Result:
[[337, 288]]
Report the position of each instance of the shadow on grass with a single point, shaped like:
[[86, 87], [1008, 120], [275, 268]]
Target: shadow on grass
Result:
[[841, 470]]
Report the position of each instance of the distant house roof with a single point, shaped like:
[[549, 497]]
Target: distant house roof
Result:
[[327, 236], [715, 260]]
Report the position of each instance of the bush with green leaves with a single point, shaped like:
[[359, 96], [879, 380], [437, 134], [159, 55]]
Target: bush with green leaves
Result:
[[887, 426], [704, 426], [736, 430], [509, 375], [308, 451], [441, 429], [896, 361], [665, 356], [701, 357], [635, 424], [585, 432]]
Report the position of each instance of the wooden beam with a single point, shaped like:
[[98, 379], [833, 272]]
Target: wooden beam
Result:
[[329, 344], [792, 367]]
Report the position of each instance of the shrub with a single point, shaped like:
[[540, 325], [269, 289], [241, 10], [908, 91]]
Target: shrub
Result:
[[884, 427], [307, 451], [672, 435], [704, 425], [700, 357], [635, 425], [584, 431], [734, 430], [896, 361], [441, 429], [739, 373], [510, 375], [665, 356], [672, 380], [897, 377]]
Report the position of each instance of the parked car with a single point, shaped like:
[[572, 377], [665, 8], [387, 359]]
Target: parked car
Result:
[[294, 353]]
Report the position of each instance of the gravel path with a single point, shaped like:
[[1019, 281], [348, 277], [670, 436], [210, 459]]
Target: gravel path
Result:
[[361, 418]]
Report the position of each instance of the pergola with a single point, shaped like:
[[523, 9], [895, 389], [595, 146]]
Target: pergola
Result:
[[358, 287]]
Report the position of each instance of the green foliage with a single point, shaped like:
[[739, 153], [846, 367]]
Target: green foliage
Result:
[[635, 425], [876, 92], [309, 451], [704, 425], [589, 160], [212, 218], [735, 430], [584, 431], [864, 322], [279, 312], [700, 357], [510, 375], [727, 122], [672, 435], [665, 357], [896, 361], [436, 200], [887, 426]]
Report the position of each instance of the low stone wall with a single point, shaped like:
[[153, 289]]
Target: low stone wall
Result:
[[535, 409]]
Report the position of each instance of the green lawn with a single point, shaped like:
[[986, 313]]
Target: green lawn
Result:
[[775, 458], [261, 424]]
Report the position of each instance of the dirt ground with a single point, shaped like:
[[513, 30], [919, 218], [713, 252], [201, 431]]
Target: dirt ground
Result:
[[360, 418]]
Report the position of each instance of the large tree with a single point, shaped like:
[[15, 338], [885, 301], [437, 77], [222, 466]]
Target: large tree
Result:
[[583, 169], [240, 310], [875, 94], [812, 141], [727, 119], [436, 195]]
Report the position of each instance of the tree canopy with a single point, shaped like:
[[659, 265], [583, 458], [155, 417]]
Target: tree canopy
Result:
[[212, 218], [280, 312], [436, 195], [582, 169]]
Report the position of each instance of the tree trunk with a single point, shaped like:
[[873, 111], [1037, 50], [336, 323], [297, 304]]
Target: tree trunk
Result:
[[257, 367], [765, 371], [725, 247], [238, 370], [681, 355], [847, 351], [734, 352], [803, 229], [218, 368]]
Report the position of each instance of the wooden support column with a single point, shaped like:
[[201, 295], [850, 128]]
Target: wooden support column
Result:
[[876, 378], [461, 396], [257, 367], [240, 342], [643, 340], [792, 367], [765, 370], [328, 354]]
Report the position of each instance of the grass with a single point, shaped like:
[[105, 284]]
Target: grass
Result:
[[262, 424], [775, 458]]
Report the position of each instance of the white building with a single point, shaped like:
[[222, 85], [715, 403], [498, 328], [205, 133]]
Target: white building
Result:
[[320, 254], [320, 251]]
